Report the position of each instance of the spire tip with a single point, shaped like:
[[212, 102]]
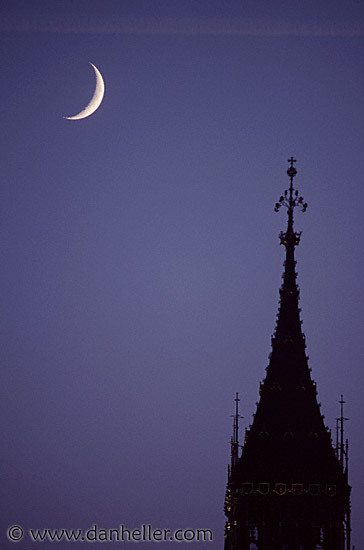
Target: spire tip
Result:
[[290, 200]]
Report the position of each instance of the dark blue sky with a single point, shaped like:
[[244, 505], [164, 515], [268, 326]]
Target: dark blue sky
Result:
[[139, 250]]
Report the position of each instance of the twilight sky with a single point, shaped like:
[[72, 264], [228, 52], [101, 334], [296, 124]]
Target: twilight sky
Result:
[[140, 263]]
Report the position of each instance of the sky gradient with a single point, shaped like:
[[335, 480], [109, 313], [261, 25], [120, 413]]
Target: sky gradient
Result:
[[140, 258]]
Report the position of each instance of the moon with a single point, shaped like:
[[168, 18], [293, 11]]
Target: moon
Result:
[[96, 99]]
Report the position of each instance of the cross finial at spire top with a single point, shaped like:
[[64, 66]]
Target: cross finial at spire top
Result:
[[290, 200], [292, 170]]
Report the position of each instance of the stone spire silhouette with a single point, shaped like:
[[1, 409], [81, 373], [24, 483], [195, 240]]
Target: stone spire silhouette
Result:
[[289, 325], [288, 489]]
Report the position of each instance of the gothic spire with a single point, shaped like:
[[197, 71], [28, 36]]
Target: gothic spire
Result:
[[288, 488], [288, 325]]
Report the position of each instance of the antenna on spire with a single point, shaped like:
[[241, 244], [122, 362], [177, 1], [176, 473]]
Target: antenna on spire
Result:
[[235, 438], [290, 200]]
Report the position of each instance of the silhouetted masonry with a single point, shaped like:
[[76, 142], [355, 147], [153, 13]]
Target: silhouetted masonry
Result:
[[289, 488]]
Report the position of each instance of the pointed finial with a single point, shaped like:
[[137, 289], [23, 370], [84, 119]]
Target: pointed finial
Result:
[[292, 170], [341, 420], [290, 200], [235, 439]]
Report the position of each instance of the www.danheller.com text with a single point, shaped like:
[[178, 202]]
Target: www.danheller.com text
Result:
[[146, 533]]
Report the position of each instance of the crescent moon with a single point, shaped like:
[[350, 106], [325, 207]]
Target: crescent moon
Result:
[[96, 99]]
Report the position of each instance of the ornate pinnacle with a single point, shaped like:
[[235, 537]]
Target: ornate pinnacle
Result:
[[290, 200], [235, 439]]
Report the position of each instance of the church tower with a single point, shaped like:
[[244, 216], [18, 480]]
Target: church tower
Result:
[[289, 488]]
